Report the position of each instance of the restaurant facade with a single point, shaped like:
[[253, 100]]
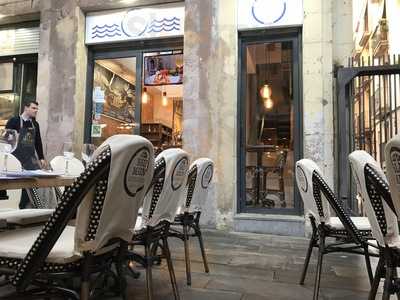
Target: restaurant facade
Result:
[[247, 83]]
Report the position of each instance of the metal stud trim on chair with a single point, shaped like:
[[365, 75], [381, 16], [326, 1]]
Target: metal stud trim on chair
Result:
[[349, 239], [72, 197], [378, 191]]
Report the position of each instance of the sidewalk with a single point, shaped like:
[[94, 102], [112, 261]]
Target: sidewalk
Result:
[[256, 267]]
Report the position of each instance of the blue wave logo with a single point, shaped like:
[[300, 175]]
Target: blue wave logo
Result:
[[106, 31], [165, 24]]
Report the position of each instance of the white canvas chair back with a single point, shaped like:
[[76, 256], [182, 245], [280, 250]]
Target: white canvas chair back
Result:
[[381, 216], [13, 164], [392, 159], [110, 209], [162, 200], [75, 166], [304, 172], [196, 190]]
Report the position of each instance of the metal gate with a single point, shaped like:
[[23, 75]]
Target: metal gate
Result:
[[367, 115]]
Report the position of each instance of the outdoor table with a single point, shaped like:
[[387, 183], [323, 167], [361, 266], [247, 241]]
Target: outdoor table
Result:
[[259, 150], [32, 182], [35, 182]]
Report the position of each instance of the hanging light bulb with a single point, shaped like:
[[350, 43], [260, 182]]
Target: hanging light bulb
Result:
[[145, 96], [266, 91], [164, 99], [268, 103]]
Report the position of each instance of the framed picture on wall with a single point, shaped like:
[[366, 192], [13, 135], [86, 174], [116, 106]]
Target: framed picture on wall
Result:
[[6, 77], [119, 95], [163, 69]]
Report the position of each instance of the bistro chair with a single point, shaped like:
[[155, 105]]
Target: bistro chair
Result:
[[380, 209], [23, 217], [188, 216], [58, 164], [42, 261], [351, 234], [392, 160], [159, 209]]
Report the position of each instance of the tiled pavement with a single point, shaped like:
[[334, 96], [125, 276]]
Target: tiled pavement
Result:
[[255, 267]]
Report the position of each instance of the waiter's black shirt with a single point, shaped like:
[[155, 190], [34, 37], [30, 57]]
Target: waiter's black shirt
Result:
[[15, 123]]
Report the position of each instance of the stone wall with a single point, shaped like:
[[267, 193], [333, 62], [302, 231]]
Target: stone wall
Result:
[[210, 93]]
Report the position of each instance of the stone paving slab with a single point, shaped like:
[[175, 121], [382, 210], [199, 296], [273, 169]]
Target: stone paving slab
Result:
[[254, 267]]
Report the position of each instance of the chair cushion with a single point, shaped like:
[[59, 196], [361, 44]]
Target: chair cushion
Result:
[[26, 216], [361, 223], [15, 244]]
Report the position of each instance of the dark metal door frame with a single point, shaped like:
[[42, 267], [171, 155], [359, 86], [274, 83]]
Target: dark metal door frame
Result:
[[268, 36], [344, 79]]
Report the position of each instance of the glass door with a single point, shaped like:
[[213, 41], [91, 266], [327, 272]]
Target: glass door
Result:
[[114, 105], [270, 132]]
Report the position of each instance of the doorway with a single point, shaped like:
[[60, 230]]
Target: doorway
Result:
[[270, 114]]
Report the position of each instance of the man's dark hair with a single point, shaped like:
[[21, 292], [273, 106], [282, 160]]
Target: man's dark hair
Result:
[[28, 103]]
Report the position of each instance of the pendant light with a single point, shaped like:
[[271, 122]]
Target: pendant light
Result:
[[164, 99], [145, 96], [266, 89]]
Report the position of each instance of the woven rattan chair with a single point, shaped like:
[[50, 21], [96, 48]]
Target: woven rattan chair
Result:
[[42, 261], [381, 212], [351, 233], [188, 216], [58, 164], [159, 208]]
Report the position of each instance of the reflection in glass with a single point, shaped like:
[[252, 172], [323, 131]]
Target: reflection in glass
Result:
[[269, 126], [114, 94]]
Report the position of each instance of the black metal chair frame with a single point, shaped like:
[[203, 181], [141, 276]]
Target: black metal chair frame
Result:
[[34, 278], [348, 240], [389, 258], [190, 222], [153, 237]]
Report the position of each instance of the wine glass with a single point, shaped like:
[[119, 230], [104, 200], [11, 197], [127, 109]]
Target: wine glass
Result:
[[68, 155], [8, 143], [87, 152]]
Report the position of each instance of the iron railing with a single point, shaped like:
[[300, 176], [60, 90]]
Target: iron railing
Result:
[[368, 115]]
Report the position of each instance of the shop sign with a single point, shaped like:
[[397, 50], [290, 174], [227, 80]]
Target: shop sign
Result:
[[254, 14], [135, 24]]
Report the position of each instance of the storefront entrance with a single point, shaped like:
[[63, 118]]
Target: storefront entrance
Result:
[[137, 91], [269, 111]]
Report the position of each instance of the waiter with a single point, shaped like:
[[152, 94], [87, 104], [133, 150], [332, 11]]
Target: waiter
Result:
[[29, 149]]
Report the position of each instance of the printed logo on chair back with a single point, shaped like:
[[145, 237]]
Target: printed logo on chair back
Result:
[[138, 165], [179, 173], [207, 176], [395, 159], [302, 179]]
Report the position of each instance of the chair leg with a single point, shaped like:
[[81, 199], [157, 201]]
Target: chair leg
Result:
[[120, 269], [149, 277], [319, 266], [187, 254], [168, 258], [368, 264], [203, 251], [85, 277], [387, 285], [308, 256], [377, 279]]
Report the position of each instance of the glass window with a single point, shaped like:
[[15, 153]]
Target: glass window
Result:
[[114, 95], [162, 99], [18, 85], [269, 126]]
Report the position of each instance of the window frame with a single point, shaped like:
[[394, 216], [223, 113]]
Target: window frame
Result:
[[245, 39]]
